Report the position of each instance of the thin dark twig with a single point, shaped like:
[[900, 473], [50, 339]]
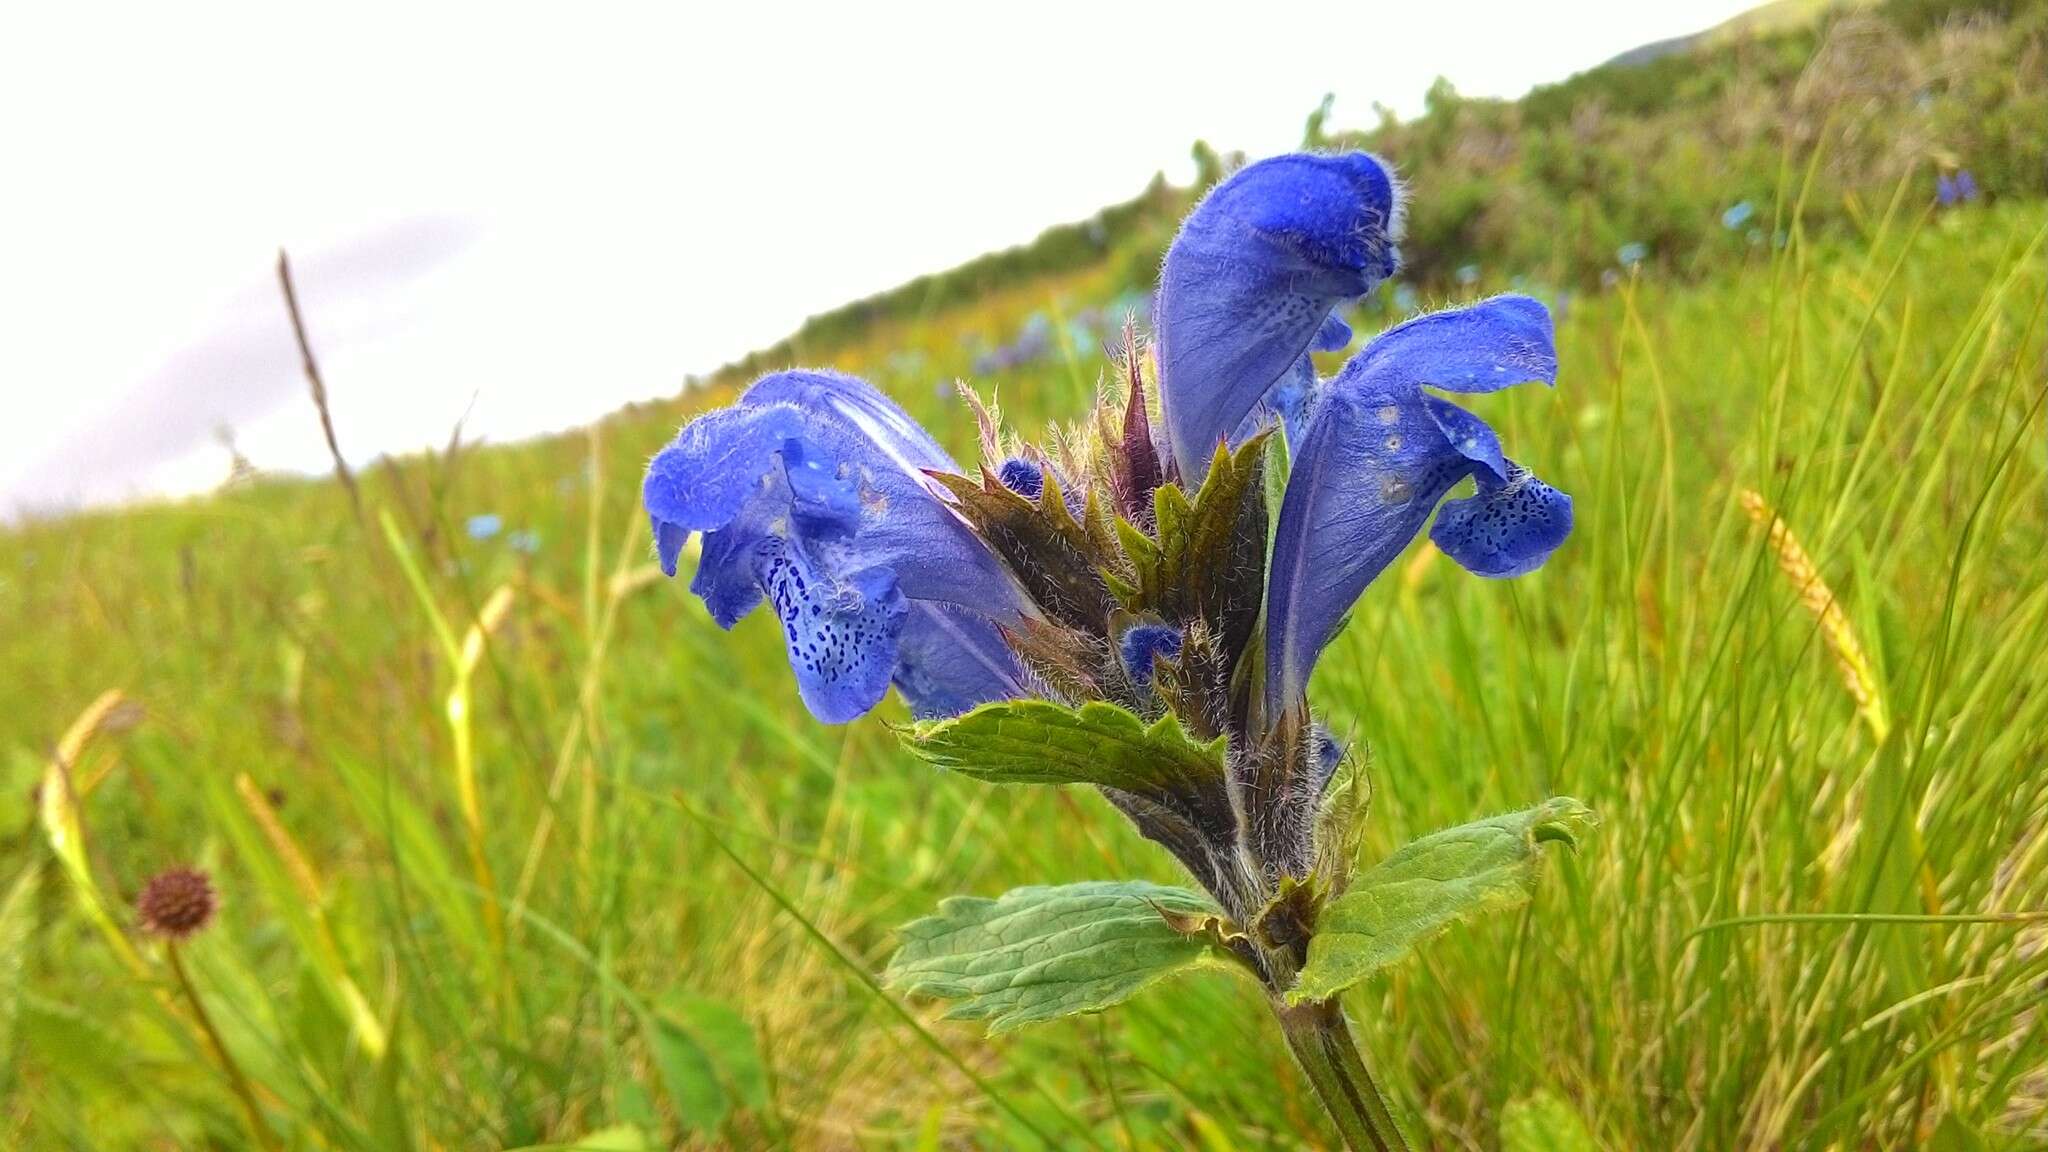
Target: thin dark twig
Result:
[[291, 303]]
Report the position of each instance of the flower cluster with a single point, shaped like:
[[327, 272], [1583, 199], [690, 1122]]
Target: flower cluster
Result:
[[1139, 561], [1953, 191]]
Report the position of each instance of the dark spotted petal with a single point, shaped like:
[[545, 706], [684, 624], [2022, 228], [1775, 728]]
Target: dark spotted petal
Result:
[[841, 634], [813, 491], [1505, 528]]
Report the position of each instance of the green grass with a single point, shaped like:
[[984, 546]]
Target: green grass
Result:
[[663, 845]]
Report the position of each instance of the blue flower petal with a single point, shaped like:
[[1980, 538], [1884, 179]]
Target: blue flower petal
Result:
[[813, 490], [702, 479], [1250, 281], [1473, 438], [886, 425], [950, 659], [1380, 454], [1506, 528], [1292, 398], [1334, 335], [841, 634], [1484, 348]]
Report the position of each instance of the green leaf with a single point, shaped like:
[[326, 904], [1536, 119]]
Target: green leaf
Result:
[[1041, 742], [1040, 953], [724, 1035], [1540, 1122], [708, 1059], [688, 1074], [1429, 885]]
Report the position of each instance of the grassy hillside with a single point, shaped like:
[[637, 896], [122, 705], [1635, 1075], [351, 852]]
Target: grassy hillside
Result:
[[1652, 152], [516, 848]]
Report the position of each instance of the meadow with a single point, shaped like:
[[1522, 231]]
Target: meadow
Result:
[[516, 849]]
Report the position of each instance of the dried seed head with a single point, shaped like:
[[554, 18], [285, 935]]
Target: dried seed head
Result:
[[177, 903]]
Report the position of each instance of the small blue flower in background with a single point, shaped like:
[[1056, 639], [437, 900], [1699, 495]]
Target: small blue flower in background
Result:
[[811, 495], [1953, 191], [1081, 337], [1405, 299], [1468, 274], [525, 541], [1034, 342], [1737, 215], [484, 525], [1631, 254]]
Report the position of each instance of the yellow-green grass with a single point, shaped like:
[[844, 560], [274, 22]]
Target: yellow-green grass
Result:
[[657, 823]]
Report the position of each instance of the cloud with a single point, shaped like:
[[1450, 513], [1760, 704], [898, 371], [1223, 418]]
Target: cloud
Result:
[[242, 367]]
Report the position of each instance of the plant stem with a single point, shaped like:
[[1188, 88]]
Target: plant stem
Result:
[[258, 1130], [1322, 1044]]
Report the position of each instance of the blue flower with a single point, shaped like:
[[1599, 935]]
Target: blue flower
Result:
[[484, 525], [1737, 215], [1631, 254], [1379, 455], [1954, 190], [1247, 285], [525, 541], [1468, 274], [1405, 298], [811, 493], [884, 566]]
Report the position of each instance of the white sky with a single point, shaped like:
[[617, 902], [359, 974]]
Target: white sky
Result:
[[558, 214]]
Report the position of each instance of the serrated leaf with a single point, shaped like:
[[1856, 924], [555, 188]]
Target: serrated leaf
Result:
[[1429, 885], [1040, 742], [1043, 952], [1540, 1122]]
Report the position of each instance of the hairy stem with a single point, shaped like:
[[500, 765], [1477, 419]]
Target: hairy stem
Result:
[[1322, 1044], [246, 1096]]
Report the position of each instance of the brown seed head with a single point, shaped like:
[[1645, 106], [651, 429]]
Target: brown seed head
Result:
[[177, 902]]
